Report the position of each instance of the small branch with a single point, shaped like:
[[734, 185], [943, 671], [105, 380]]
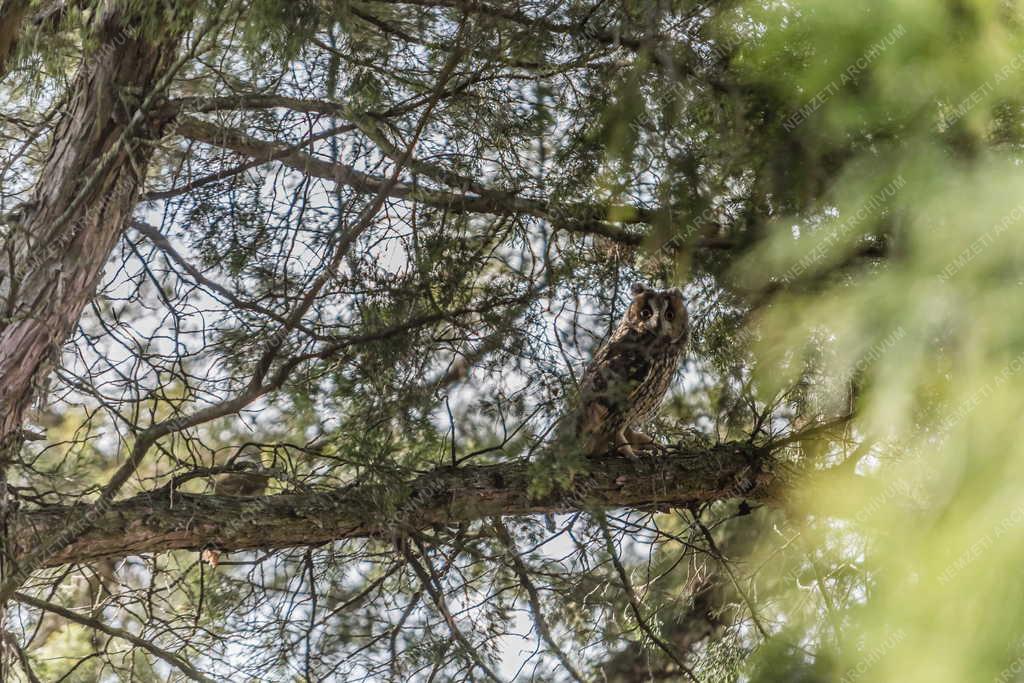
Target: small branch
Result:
[[728, 570], [534, 597], [153, 234], [430, 582], [169, 657], [634, 601], [26, 665]]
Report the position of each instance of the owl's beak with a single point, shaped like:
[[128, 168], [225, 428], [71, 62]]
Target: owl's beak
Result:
[[658, 322]]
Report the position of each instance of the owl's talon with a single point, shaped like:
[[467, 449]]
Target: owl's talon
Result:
[[638, 438], [627, 450]]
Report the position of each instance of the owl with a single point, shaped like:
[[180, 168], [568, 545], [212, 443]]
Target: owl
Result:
[[241, 484], [630, 373], [250, 480]]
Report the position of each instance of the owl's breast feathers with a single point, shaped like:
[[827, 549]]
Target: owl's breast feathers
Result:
[[626, 381]]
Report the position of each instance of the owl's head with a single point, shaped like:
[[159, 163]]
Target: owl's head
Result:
[[659, 312]]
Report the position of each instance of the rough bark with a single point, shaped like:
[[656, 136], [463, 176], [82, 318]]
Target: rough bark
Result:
[[169, 520], [80, 206]]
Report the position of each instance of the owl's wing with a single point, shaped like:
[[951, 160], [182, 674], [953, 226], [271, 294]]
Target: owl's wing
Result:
[[616, 370]]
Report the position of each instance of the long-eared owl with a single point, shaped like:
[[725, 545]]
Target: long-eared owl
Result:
[[630, 373]]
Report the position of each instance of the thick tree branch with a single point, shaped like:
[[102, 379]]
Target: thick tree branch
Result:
[[170, 520], [465, 194], [578, 217]]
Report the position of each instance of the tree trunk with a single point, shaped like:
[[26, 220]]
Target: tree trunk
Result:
[[55, 250], [81, 204]]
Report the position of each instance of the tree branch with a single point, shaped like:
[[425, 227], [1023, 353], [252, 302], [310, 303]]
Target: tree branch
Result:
[[159, 652], [576, 217], [171, 520], [601, 36], [533, 596]]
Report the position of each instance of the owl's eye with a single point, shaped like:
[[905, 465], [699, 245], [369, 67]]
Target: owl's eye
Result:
[[646, 313]]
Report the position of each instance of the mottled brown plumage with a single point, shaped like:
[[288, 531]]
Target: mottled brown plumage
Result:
[[630, 373], [250, 480]]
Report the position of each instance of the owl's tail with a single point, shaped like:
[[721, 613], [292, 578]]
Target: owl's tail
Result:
[[576, 434]]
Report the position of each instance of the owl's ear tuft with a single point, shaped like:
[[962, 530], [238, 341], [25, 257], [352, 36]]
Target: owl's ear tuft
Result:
[[638, 288]]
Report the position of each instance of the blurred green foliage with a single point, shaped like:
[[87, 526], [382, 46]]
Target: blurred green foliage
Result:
[[839, 186]]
